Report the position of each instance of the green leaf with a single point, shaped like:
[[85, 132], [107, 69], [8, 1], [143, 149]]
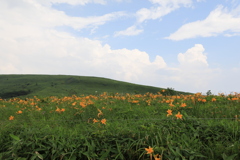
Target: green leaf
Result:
[[73, 158], [20, 158], [232, 156], [15, 137], [105, 154], [39, 155], [33, 157], [173, 151], [225, 157]]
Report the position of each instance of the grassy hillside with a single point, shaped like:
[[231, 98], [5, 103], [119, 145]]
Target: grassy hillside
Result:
[[64, 85]]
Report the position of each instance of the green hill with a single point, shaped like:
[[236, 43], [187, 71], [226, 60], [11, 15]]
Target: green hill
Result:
[[64, 85]]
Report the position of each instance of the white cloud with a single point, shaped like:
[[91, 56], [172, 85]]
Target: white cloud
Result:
[[192, 73], [71, 2], [194, 57], [231, 34], [175, 3], [130, 31], [76, 2], [163, 8], [29, 43], [160, 9], [218, 21], [159, 62], [122, 0], [152, 13], [36, 16], [60, 53]]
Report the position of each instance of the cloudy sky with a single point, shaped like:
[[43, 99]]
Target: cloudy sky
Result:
[[188, 45]]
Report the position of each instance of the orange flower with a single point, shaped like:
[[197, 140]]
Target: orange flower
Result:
[[103, 121], [135, 101], [157, 157], [11, 118], [179, 116], [163, 90], [171, 105], [149, 150], [58, 110], [95, 120], [183, 105], [62, 110], [204, 100], [169, 111], [82, 104], [99, 113], [19, 112], [39, 109], [213, 99]]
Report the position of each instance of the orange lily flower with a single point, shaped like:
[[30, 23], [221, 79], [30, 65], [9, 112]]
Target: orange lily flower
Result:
[[213, 99], [179, 116], [169, 111], [183, 105], [95, 120], [19, 112], [103, 121], [11, 118], [149, 150]]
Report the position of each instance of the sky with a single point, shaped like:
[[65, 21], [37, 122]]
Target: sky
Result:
[[187, 45]]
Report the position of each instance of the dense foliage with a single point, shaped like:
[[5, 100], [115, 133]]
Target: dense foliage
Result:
[[121, 126]]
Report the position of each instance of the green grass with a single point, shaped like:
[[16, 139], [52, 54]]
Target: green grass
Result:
[[62, 85], [208, 130], [58, 124]]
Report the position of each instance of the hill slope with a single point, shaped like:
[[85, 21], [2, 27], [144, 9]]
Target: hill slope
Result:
[[65, 85]]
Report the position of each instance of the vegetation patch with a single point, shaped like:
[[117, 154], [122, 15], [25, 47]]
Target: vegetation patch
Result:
[[121, 126], [64, 85], [14, 94]]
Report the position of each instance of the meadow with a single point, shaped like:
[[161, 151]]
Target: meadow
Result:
[[126, 126], [25, 86]]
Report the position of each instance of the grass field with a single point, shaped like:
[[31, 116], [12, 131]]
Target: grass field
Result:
[[111, 126], [24, 86]]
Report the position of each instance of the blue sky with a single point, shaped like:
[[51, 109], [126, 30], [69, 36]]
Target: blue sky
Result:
[[188, 45]]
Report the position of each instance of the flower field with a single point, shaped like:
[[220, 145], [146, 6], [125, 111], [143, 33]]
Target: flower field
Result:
[[121, 126]]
